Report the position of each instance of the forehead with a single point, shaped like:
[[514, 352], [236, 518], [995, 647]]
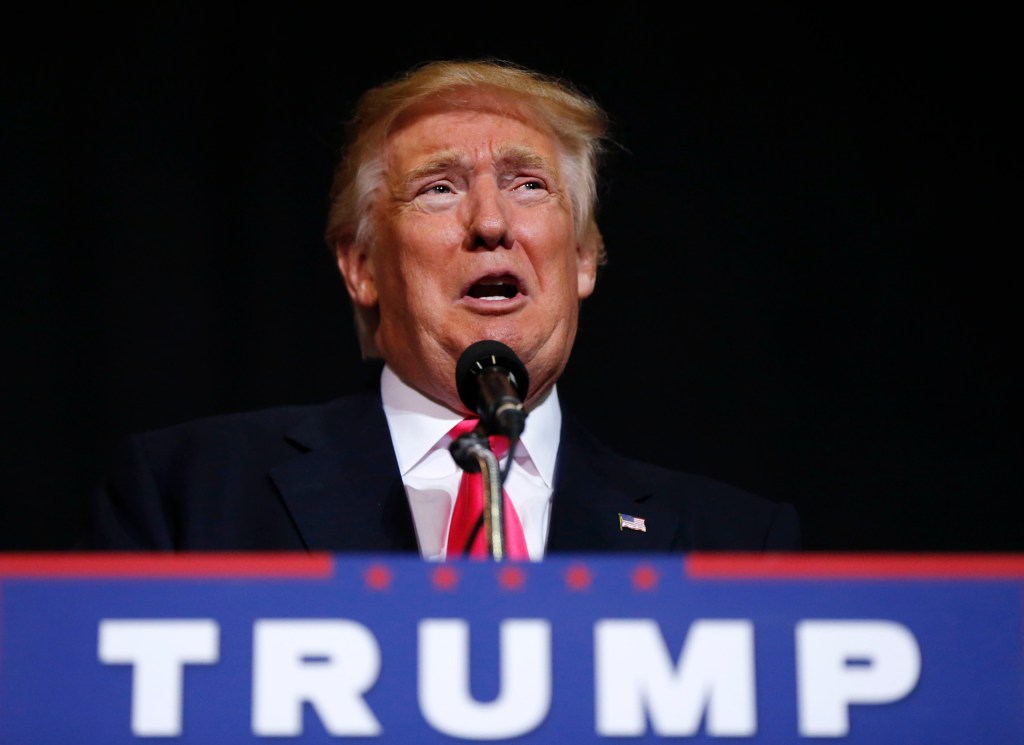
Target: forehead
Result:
[[479, 127]]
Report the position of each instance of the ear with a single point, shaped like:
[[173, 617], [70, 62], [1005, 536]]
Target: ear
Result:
[[586, 262], [356, 268]]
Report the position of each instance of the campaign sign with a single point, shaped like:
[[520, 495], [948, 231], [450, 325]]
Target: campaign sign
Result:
[[257, 648]]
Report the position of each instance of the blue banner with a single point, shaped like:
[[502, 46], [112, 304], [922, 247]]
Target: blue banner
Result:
[[316, 649]]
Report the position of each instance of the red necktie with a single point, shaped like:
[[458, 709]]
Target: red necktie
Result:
[[469, 506]]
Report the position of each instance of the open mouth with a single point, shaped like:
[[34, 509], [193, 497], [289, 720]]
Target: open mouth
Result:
[[494, 288]]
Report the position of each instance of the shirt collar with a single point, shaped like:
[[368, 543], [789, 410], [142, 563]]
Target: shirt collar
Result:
[[419, 425]]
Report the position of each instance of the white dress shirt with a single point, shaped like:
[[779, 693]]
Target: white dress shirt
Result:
[[419, 432]]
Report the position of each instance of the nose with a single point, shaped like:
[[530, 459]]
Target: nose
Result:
[[489, 226]]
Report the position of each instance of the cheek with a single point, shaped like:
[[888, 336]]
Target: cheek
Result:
[[426, 241], [394, 278], [553, 244], [547, 219], [418, 255]]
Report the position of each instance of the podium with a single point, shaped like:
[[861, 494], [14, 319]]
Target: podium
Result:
[[321, 648]]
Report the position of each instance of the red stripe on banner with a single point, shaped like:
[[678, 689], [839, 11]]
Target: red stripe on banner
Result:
[[186, 566], [854, 566]]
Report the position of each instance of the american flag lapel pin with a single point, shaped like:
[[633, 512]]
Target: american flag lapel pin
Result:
[[633, 523]]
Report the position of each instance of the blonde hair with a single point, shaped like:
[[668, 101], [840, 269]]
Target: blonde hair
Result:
[[576, 120]]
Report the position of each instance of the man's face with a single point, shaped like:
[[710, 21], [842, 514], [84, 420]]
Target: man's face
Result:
[[475, 240]]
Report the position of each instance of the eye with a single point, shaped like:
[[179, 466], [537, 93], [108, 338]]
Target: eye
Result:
[[438, 189], [532, 185]]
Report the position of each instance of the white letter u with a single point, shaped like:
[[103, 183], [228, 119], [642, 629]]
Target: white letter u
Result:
[[524, 697]]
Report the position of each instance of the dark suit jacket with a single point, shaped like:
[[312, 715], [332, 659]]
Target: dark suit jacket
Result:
[[324, 478]]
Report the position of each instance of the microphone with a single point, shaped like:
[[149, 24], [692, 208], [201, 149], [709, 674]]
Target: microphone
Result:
[[492, 381]]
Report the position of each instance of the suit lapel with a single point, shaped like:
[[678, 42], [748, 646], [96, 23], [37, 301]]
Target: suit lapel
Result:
[[593, 487], [345, 491]]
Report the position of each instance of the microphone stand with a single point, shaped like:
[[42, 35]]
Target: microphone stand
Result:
[[472, 451], [493, 382]]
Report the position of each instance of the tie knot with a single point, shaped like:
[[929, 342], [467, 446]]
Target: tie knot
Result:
[[466, 425], [499, 443]]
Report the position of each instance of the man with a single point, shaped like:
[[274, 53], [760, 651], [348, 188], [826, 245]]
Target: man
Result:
[[462, 210]]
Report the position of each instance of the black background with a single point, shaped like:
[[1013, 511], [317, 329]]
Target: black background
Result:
[[811, 289]]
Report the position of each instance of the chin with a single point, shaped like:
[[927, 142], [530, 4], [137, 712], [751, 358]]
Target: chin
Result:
[[506, 333]]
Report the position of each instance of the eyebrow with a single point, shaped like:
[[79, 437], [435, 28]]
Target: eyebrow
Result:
[[517, 158], [440, 162], [511, 158]]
